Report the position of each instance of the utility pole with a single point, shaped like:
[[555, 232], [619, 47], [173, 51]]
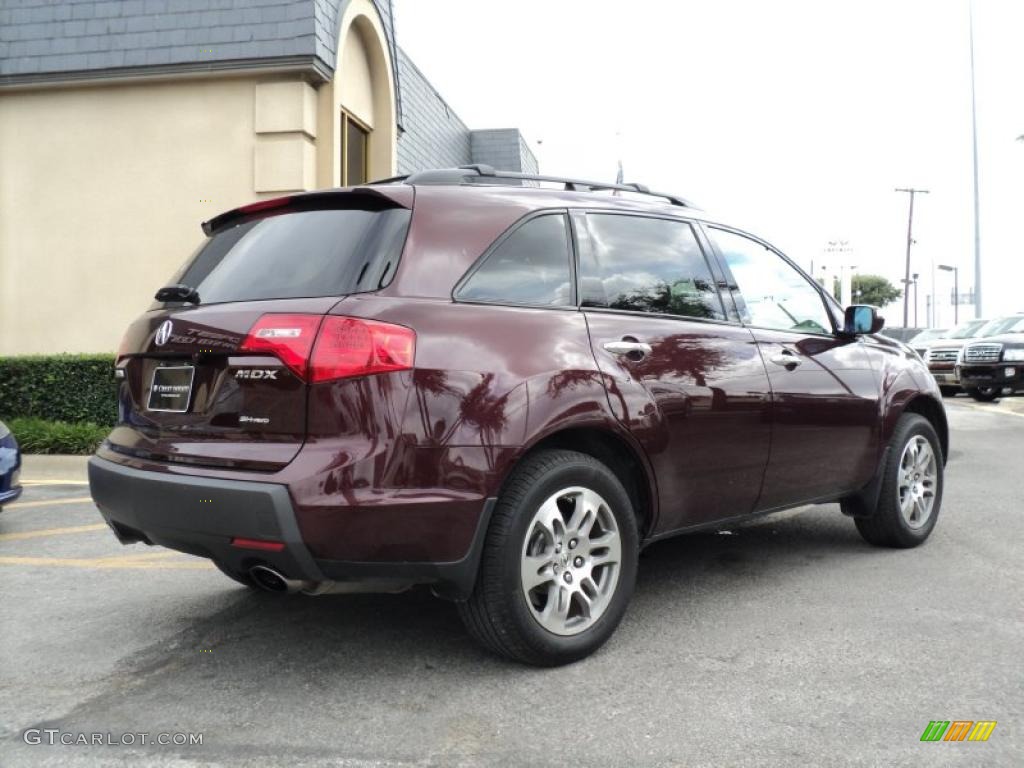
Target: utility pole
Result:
[[974, 150], [915, 300], [910, 241]]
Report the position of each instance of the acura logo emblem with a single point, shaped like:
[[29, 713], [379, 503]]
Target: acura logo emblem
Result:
[[163, 333]]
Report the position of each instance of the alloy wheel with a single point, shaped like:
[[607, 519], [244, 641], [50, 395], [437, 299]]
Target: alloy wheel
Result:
[[570, 561], [918, 477]]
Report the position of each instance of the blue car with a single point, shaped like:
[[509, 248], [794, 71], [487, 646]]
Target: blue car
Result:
[[10, 466]]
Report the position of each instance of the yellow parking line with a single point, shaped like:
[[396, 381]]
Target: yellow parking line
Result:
[[992, 409], [51, 532], [104, 563], [145, 557], [49, 502], [54, 482]]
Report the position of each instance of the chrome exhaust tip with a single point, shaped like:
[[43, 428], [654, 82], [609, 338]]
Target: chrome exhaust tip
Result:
[[272, 580]]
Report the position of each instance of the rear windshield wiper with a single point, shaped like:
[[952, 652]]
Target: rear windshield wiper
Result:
[[178, 292]]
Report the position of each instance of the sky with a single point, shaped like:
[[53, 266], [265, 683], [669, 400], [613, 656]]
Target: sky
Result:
[[792, 119]]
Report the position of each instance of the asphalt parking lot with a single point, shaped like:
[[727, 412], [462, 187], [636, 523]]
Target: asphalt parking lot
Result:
[[787, 641]]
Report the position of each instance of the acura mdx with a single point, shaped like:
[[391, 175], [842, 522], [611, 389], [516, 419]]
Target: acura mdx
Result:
[[502, 387]]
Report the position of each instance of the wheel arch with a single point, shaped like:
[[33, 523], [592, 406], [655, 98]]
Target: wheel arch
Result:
[[933, 410], [625, 460]]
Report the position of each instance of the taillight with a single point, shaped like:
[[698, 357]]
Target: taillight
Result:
[[348, 346], [343, 347], [287, 337], [265, 205]]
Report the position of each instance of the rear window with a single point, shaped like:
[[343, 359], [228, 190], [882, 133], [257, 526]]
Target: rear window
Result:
[[297, 255], [530, 266]]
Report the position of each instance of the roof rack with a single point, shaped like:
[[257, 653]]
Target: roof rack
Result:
[[467, 174]]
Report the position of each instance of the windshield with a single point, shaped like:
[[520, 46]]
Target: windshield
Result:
[[929, 335], [297, 255], [1014, 324], [966, 330]]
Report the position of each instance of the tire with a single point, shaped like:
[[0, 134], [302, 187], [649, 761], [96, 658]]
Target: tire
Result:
[[985, 394], [522, 542], [889, 526], [949, 391], [241, 578]]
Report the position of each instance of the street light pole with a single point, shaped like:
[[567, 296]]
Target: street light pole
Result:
[[974, 151], [910, 241], [956, 290]]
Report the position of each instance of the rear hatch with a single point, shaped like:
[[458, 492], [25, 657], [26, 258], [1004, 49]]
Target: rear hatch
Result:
[[220, 380]]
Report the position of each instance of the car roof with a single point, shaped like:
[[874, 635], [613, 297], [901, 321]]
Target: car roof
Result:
[[537, 191], [539, 198]]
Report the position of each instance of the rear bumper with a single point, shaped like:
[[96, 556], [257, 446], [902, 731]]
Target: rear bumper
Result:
[[201, 516]]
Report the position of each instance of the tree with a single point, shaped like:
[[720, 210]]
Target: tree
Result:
[[873, 289]]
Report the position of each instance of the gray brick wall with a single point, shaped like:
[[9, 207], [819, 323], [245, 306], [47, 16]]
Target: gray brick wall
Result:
[[61, 37], [58, 37], [434, 136], [528, 160], [504, 148]]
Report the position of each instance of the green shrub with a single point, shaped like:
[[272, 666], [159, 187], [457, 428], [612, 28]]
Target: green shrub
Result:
[[73, 388], [42, 436]]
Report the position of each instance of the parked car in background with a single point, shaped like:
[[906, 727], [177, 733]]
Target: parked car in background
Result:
[[900, 334], [10, 466], [503, 392], [941, 354], [928, 334], [990, 367]]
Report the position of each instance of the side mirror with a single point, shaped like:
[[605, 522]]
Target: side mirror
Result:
[[861, 319]]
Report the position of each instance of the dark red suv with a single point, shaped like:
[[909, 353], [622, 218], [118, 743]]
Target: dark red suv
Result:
[[473, 381]]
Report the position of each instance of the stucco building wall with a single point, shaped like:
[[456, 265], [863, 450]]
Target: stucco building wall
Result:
[[101, 197], [123, 126]]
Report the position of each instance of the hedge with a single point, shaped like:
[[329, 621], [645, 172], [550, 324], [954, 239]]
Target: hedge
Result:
[[42, 436], [67, 388]]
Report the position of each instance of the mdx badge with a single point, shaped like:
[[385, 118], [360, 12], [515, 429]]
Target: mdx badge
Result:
[[163, 333], [257, 373]]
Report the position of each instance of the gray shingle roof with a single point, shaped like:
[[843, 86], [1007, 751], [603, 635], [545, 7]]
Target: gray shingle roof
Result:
[[90, 38]]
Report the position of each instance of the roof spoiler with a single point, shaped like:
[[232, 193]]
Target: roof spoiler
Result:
[[355, 198]]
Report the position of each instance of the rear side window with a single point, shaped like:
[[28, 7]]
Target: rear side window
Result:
[[530, 266], [647, 265], [301, 254]]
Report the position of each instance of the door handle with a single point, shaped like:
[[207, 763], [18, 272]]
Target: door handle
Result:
[[628, 347], [786, 359]]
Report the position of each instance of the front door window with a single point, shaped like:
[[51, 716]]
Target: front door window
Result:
[[772, 294]]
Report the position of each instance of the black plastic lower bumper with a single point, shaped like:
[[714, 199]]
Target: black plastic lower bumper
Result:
[[201, 516], [1009, 375]]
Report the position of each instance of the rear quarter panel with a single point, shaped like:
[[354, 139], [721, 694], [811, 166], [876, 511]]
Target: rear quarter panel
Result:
[[424, 449]]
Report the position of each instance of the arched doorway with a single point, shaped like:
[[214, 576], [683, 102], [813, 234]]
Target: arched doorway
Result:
[[356, 129]]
